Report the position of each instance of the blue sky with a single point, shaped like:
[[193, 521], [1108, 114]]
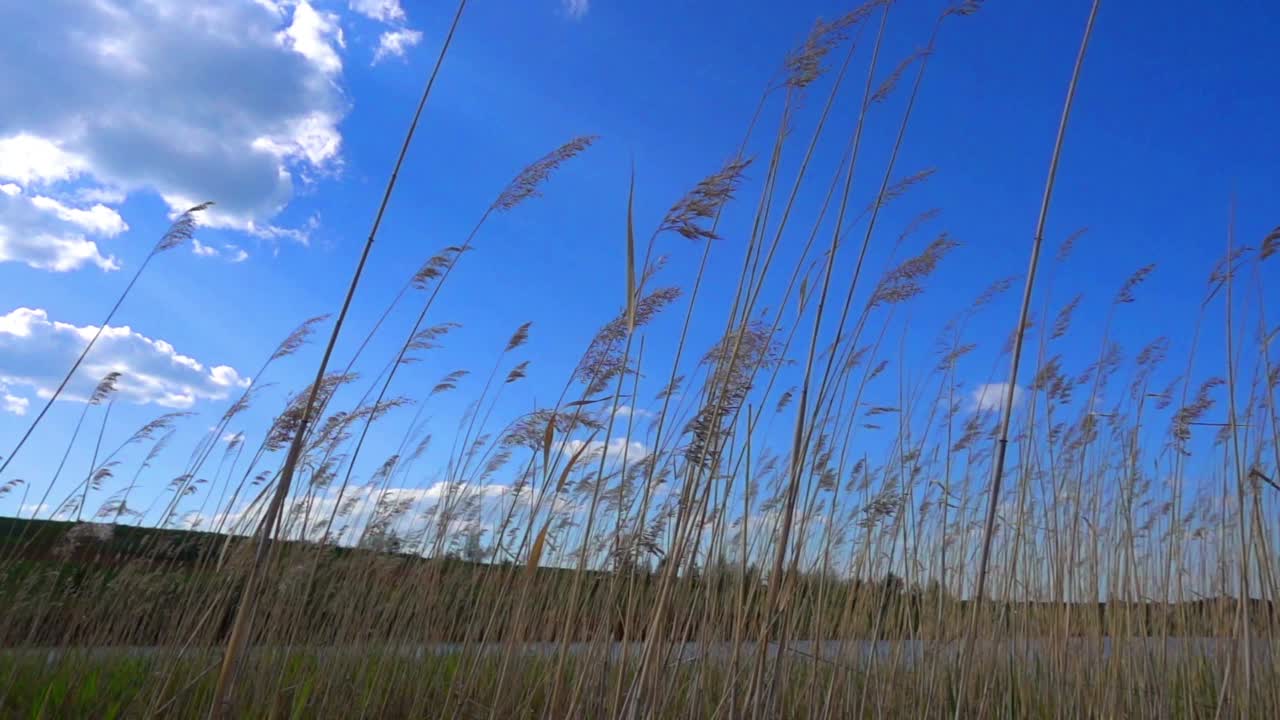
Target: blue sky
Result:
[[288, 116]]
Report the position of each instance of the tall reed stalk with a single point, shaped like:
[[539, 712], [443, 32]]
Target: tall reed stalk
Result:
[[244, 611]]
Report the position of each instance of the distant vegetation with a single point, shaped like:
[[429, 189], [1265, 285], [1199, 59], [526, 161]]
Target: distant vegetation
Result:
[[698, 527], [92, 568]]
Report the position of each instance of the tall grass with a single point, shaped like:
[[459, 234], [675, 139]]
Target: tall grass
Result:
[[798, 517]]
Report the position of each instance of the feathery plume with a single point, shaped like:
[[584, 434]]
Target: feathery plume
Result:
[[804, 64], [784, 400], [1064, 250], [8, 487], [435, 266], [899, 188], [904, 282], [994, 290], [181, 230], [449, 382], [519, 338], [1270, 244], [964, 8], [426, 339], [518, 372], [916, 223], [1189, 414], [1225, 265], [1063, 321], [164, 422], [703, 202], [886, 87], [603, 359], [1126, 290], [525, 185], [106, 386], [298, 337]]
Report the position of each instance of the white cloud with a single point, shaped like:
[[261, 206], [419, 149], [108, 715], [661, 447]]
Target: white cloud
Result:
[[226, 376], [237, 253], [99, 219], [35, 352], [230, 252], [990, 397], [394, 43], [275, 6], [311, 137], [47, 235], [386, 11], [12, 403], [34, 160], [203, 250], [613, 450], [313, 35], [234, 102], [629, 411], [100, 195], [575, 9], [440, 489], [215, 219]]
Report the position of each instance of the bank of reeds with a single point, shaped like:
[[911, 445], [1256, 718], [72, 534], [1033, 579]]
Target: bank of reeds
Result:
[[794, 518]]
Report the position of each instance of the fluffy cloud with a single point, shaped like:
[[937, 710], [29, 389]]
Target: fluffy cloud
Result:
[[387, 11], [234, 102], [313, 35], [236, 254], [35, 351], [99, 219], [29, 159], [203, 250], [575, 9], [990, 397], [12, 403], [613, 450], [230, 251], [629, 411], [47, 235], [394, 43], [439, 489]]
